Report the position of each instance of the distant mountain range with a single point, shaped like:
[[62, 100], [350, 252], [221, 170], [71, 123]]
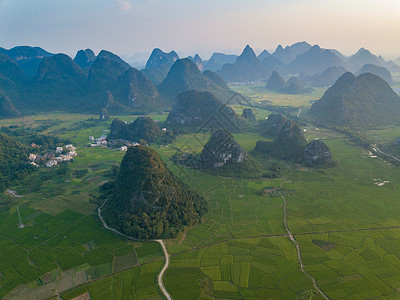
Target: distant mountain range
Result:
[[33, 79], [105, 82], [247, 67]]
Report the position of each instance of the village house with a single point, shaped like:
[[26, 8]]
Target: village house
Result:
[[59, 149], [51, 163]]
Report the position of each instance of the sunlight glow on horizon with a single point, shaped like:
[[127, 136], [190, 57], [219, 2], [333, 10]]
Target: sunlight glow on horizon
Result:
[[127, 27]]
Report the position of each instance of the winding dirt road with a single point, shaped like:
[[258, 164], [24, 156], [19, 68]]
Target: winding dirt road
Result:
[[290, 235], [161, 242]]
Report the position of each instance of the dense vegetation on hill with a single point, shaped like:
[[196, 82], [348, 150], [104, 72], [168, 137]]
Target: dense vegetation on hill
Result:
[[7, 109], [143, 128], [184, 75], [13, 161], [158, 65], [147, 201], [85, 58], [27, 58], [202, 110], [223, 156], [363, 101], [288, 144]]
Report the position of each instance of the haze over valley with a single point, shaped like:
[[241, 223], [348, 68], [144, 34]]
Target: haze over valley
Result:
[[170, 150]]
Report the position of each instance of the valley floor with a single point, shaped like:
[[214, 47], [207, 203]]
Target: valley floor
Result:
[[346, 226]]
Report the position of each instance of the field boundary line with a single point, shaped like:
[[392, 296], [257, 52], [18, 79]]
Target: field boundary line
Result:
[[291, 237], [161, 242]]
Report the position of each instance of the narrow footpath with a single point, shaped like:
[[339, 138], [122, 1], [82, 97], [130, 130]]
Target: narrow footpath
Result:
[[290, 235], [161, 242]]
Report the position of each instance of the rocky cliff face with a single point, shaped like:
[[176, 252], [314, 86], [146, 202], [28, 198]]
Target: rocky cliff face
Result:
[[273, 125], [317, 152], [221, 149], [248, 114], [104, 116], [292, 135]]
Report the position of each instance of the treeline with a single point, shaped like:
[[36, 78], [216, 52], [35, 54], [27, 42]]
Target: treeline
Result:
[[13, 161]]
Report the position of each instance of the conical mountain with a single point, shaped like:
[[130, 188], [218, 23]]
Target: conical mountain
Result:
[[328, 77], [221, 149], [198, 61], [289, 53], [263, 55], [113, 57], [315, 61], [7, 109], [246, 68], [289, 142], [84, 58], [382, 72], [363, 57], [317, 153], [59, 67], [217, 60], [184, 75], [291, 135], [363, 101], [159, 57], [143, 128], [158, 65], [276, 82], [272, 126], [148, 201], [196, 109], [138, 92], [104, 74]]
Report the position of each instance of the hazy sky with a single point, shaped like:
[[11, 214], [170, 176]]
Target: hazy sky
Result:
[[129, 27]]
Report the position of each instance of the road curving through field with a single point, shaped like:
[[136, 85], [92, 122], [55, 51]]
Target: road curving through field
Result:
[[291, 237], [161, 242]]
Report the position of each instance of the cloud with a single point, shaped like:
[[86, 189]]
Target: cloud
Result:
[[124, 5]]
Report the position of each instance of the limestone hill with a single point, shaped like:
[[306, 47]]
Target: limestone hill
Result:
[[202, 110], [143, 128], [147, 201], [184, 75], [363, 101], [246, 68]]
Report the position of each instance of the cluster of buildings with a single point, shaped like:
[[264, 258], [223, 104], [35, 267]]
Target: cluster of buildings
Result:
[[125, 148], [99, 142], [102, 142], [52, 158]]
